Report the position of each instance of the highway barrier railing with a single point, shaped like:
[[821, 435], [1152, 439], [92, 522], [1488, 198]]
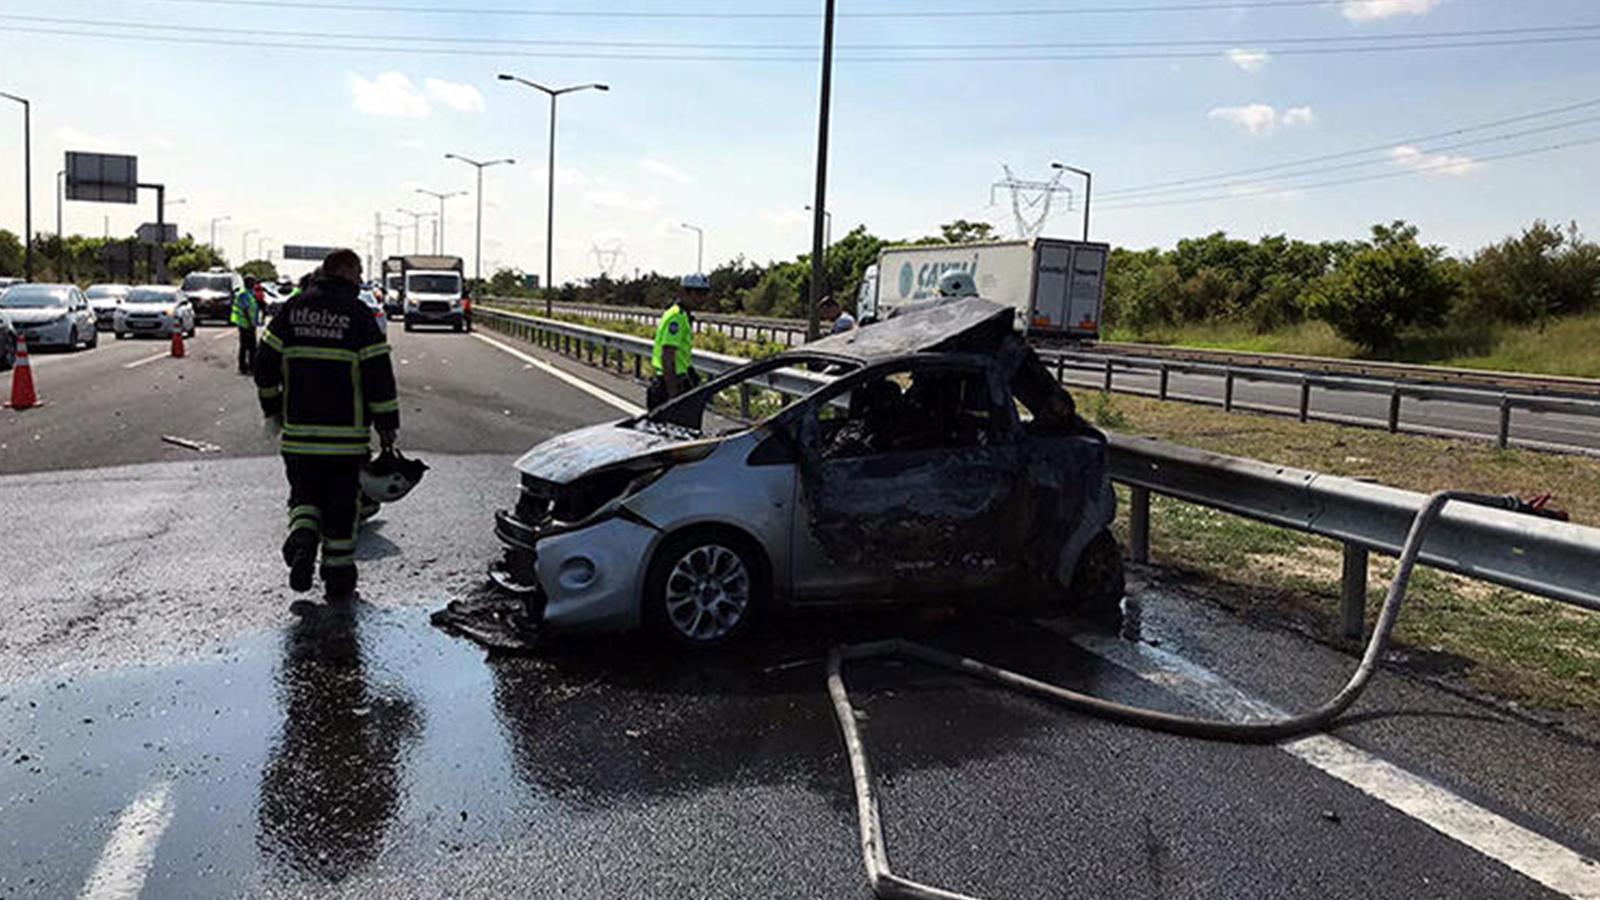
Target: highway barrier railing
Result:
[[1555, 560], [1401, 396]]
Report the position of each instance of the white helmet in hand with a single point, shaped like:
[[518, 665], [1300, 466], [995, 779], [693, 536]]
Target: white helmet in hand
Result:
[[390, 476]]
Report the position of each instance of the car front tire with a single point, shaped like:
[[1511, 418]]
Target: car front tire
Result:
[[705, 588], [93, 341], [1099, 580]]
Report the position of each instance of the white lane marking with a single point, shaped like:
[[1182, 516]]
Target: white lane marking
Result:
[[225, 333], [128, 854], [148, 359], [1526, 852], [590, 389]]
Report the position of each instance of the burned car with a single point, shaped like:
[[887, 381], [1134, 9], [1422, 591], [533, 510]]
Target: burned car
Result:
[[930, 458]]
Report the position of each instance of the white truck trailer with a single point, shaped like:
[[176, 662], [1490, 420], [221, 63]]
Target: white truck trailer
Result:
[[1056, 286]]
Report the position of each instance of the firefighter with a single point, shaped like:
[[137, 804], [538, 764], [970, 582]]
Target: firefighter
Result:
[[245, 316], [325, 380], [673, 352]]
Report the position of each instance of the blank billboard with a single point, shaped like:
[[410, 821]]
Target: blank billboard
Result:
[[102, 177]]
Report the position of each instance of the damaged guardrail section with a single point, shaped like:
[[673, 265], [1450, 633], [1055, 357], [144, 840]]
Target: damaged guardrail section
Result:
[[1552, 559]]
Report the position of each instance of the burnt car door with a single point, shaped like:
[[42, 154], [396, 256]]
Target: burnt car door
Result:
[[910, 485]]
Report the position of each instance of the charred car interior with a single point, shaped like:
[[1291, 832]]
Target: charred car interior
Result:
[[927, 458]]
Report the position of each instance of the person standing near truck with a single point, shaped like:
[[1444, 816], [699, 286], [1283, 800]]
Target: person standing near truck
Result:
[[246, 316], [673, 351]]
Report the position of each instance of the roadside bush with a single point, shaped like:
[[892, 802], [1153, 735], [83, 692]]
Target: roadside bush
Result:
[[1541, 273], [1391, 285]]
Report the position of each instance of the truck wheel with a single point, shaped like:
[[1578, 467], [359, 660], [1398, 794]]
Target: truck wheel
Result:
[[1099, 581], [704, 588]]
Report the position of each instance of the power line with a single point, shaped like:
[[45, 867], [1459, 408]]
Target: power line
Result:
[[1440, 166], [1460, 145], [1157, 187], [1135, 9], [805, 59], [1219, 44]]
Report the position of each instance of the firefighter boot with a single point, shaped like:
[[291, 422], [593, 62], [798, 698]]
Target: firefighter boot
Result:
[[300, 553]]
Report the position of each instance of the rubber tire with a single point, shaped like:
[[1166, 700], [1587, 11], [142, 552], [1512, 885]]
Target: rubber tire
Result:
[[1099, 580], [72, 340], [668, 554], [94, 341]]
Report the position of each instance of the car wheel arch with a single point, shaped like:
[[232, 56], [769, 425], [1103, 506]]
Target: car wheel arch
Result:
[[765, 589]]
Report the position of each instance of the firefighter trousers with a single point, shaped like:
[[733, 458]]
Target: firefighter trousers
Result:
[[323, 493]]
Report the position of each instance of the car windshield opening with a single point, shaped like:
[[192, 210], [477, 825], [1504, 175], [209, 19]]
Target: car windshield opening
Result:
[[221, 283], [27, 296], [149, 296], [434, 284], [105, 293], [909, 410], [748, 395]]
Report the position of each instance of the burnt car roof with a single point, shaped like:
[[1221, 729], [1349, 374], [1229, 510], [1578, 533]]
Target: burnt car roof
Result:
[[956, 323]]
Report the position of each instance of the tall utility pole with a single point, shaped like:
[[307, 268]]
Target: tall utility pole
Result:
[[550, 191], [477, 253], [416, 227], [700, 248], [439, 235], [244, 244], [827, 242], [1088, 190], [214, 231], [27, 183], [820, 204], [61, 241]]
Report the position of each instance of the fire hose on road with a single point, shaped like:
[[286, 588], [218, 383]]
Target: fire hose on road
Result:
[[886, 884]]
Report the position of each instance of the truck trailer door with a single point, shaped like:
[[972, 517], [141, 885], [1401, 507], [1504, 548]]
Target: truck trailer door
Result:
[[1086, 291]]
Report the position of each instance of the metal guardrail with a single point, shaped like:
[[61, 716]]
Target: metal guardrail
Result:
[[1556, 560], [788, 332], [1503, 403]]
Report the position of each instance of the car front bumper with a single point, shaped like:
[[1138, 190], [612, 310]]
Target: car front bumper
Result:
[[587, 578], [425, 315], [162, 327], [52, 334]]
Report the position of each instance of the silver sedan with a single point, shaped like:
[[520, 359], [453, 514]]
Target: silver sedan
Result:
[[51, 315], [155, 310]]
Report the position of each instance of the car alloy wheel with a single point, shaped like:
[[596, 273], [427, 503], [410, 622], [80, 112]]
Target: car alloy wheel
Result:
[[707, 593]]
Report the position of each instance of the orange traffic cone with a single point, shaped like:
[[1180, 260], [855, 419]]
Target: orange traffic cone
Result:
[[177, 341], [22, 395]]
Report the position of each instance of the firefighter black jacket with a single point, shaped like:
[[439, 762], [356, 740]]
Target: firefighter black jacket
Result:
[[324, 368]]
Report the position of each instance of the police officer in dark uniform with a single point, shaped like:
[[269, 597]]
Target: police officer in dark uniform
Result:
[[325, 380]]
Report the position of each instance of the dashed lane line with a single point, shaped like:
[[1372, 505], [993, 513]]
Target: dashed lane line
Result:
[[592, 390], [1557, 867], [129, 852], [148, 359]]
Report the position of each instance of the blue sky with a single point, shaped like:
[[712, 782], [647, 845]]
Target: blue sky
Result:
[[305, 145]]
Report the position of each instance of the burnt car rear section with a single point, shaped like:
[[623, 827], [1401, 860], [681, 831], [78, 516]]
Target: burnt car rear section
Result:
[[938, 462]]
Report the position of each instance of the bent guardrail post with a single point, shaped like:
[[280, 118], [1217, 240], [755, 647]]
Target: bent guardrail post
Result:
[[1353, 592], [1139, 524]]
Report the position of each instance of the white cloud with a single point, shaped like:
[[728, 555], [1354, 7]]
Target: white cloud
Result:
[[664, 170], [1248, 60], [1434, 163], [457, 96], [1260, 119], [618, 199], [1298, 115], [388, 94], [1256, 118], [1372, 10]]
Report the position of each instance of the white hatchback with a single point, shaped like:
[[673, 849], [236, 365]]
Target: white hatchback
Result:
[[155, 310]]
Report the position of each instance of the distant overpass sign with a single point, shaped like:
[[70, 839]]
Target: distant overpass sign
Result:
[[151, 233], [102, 177], [301, 251]]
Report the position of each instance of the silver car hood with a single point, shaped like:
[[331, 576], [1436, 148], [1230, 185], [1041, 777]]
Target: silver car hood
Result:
[[572, 455], [37, 315], [166, 307], [206, 294]]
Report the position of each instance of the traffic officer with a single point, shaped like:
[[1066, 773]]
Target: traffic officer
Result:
[[673, 353], [325, 379], [245, 316]]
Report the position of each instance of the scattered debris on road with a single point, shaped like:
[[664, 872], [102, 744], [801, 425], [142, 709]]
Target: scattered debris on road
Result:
[[188, 444]]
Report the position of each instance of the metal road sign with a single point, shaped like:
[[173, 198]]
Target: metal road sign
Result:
[[299, 251], [151, 233], [102, 177]]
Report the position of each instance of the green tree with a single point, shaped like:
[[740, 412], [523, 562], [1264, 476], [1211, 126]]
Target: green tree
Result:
[[773, 295], [185, 256], [260, 270], [1393, 284], [10, 253], [1543, 272], [962, 231]]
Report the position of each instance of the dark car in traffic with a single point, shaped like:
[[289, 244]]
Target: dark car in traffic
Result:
[[211, 293]]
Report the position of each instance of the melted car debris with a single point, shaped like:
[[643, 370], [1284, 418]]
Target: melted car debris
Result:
[[498, 623]]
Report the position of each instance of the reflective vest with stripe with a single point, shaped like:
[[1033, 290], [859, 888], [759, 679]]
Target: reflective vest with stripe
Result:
[[675, 330]]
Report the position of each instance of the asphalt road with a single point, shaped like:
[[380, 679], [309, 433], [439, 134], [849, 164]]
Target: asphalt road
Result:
[[169, 724], [1440, 417]]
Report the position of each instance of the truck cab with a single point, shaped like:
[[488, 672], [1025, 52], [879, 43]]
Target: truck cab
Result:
[[433, 291]]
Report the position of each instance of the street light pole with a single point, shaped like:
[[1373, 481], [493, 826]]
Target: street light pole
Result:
[[244, 245], [700, 248], [477, 253], [550, 190], [61, 243], [827, 247], [214, 230], [27, 183], [1088, 191], [813, 327], [439, 235], [416, 227]]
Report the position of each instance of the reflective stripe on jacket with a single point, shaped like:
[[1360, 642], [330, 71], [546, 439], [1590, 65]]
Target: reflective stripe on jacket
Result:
[[675, 330], [246, 312], [323, 366]]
